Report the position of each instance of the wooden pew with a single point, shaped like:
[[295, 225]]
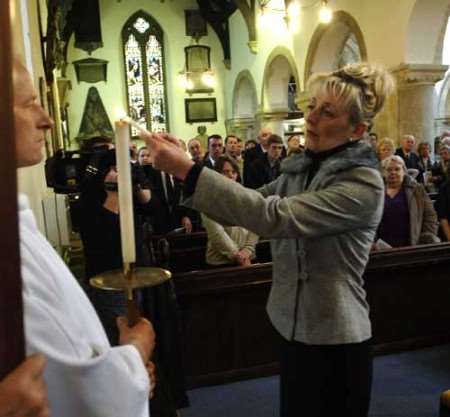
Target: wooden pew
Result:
[[193, 258], [227, 334], [408, 290], [182, 240]]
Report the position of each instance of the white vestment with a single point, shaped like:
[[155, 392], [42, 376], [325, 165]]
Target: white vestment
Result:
[[85, 376]]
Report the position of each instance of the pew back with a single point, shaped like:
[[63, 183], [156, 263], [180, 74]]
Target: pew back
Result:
[[227, 334]]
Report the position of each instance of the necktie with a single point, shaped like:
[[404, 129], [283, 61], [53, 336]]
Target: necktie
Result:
[[168, 189]]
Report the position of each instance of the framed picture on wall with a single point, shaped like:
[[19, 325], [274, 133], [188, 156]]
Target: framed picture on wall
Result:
[[200, 110]]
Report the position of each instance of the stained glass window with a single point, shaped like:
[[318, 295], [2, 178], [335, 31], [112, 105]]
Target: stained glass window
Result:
[[145, 80], [350, 52]]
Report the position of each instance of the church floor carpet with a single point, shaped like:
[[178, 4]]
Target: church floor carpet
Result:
[[405, 385]]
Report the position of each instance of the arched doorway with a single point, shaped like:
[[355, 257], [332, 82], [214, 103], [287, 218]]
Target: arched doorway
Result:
[[280, 77], [418, 86], [426, 31], [334, 45], [279, 89], [245, 103], [244, 96]]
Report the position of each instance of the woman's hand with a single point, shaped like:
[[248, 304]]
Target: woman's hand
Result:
[[243, 257], [168, 156]]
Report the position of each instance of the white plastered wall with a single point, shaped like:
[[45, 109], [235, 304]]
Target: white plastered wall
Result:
[[31, 181]]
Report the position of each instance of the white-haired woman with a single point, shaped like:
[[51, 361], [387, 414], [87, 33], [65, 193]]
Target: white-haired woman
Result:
[[408, 217], [322, 214]]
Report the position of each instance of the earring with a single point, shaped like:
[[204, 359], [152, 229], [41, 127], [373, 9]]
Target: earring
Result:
[[350, 139]]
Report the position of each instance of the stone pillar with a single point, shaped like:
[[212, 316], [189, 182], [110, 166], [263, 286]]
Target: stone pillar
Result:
[[417, 99], [302, 100], [244, 128], [273, 119]]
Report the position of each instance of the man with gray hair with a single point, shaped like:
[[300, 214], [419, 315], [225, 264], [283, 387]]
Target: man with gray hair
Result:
[[406, 152], [195, 150]]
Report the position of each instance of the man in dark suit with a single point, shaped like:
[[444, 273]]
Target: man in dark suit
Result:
[[215, 149], [406, 152], [164, 209], [258, 151], [266, 168]]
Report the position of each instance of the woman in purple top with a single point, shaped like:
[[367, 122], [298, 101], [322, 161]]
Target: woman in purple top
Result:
[[409, 217]]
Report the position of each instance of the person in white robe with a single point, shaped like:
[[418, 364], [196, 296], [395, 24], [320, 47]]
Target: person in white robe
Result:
[[85, 376]]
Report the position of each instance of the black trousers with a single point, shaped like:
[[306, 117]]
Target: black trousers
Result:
[[325, 380]]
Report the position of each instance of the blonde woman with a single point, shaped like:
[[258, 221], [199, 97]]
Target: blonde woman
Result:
[[385, 148], [321, 214]]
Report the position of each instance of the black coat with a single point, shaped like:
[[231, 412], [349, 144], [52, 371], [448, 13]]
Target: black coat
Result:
[[249, 157], [164, 213], [260, 172], [412, 161]]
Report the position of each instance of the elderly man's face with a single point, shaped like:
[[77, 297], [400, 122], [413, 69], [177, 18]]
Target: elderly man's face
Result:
[[408, 143], [264, 136], [30, 119], [195, 149]]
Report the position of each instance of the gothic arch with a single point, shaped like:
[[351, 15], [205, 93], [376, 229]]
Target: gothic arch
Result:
[[245, 99], [145, 74], [426, 30], [280, 67], [328, 42]]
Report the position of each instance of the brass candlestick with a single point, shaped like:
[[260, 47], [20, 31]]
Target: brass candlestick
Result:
[[129, 279]]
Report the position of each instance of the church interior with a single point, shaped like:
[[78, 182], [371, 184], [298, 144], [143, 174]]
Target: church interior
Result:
[[196, 68]]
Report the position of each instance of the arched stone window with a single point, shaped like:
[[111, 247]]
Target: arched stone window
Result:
[[334, 45], [350, 52], [144, 69]]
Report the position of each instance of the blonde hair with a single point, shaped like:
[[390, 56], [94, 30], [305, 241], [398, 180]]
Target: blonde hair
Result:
[[362, 88], [385, 142]]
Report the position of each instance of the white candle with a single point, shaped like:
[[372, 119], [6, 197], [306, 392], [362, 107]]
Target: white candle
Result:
[[136, 125], [125, 192]]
